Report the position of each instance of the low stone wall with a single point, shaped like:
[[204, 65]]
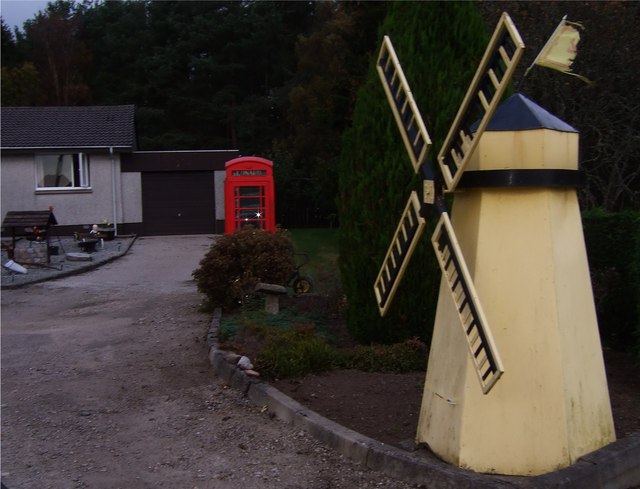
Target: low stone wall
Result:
[[31, 253]]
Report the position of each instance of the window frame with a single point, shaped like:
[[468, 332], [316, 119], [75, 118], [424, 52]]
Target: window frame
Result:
[[80, 172]]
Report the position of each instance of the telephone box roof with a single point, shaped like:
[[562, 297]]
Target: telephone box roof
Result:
[[518, 113]]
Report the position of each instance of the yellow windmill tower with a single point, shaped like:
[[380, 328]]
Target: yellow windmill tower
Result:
[[527, 394]]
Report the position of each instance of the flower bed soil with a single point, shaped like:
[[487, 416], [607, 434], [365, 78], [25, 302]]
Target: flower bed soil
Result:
[[385, 407]]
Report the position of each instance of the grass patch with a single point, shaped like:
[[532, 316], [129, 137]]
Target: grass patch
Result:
[[321, 247], [320, 244]]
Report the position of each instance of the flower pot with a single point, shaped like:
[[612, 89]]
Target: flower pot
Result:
[[107, 233]]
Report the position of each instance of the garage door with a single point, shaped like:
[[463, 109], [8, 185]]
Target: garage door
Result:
[[178, 203]]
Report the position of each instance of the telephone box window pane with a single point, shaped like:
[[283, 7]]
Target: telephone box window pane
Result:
[[248, 191], [249, 206], [251, 202]]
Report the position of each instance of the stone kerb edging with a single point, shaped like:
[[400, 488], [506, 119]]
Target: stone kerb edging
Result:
[[616, 466]]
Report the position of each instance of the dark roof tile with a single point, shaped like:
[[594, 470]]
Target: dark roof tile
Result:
[[68, 127]]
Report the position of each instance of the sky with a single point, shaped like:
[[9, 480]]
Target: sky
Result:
[[15, 12]]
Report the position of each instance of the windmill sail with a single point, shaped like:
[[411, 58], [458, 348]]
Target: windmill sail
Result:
[[417, 142], [414, 133], [483, 96], [484, 354], [399, 253]]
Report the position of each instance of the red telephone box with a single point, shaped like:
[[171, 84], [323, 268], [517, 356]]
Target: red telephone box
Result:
[[249, 194]]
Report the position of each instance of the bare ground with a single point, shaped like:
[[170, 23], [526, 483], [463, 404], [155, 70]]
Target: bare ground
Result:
[[385, 407], [106, 384]]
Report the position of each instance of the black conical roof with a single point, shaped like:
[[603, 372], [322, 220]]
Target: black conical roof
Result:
[[518, 113]]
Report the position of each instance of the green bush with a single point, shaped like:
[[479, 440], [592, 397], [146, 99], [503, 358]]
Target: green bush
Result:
[[236, 262], [294, 353], [298, 352], [636, 281], [285, 348], [613, 244], [408, 356]]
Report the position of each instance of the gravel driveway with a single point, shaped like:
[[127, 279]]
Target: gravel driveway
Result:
[[106, 384]]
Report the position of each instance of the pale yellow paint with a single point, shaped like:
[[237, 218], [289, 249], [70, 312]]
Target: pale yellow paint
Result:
[[525, 249]]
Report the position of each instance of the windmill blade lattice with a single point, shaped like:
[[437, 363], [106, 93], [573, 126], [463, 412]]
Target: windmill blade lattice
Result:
[[414, 133], [482, 348], [483, 96], [399, 253]]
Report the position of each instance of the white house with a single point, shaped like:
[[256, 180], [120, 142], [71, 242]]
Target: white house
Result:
[[82, 162]]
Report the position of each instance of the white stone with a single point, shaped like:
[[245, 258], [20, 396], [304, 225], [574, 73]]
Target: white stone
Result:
[[244, 363]]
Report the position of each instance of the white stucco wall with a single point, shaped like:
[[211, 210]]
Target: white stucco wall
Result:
[[17, 183], [73, 207]]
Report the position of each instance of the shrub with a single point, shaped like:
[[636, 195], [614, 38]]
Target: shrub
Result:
[[636, 281], [236, 262], [295, 353], [612, 244], [408, 356], [285, 349]]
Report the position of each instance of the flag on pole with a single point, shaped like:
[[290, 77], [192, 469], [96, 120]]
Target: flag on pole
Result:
[[560, 50]]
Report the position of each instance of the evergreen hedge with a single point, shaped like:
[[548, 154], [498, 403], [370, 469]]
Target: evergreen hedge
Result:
[[440, 45], [613, 249]]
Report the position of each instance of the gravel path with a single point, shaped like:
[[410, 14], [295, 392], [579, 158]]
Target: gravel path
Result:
[[106, 384]]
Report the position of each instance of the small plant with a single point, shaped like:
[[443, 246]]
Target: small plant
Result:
[[295, 353], [289, 345], [236, 262], [408, 356]]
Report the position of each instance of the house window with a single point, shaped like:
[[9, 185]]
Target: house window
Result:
[[62, 171]]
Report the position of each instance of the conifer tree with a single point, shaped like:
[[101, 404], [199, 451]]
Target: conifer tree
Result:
[[439, 45]]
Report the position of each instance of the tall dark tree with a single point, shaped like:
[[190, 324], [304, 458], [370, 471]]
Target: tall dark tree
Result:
[[10, 54], [203, 74], [59, 56], [331, 64], [117, 35], [20, 79]]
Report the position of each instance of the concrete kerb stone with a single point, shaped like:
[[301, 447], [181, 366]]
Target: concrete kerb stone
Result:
[[616, 466], [430, 470], [349, 443]]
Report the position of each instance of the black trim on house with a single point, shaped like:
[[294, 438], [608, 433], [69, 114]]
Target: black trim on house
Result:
[[143, 161]]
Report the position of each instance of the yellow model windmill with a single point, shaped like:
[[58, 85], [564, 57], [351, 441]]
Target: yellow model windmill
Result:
[[515, 241]]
